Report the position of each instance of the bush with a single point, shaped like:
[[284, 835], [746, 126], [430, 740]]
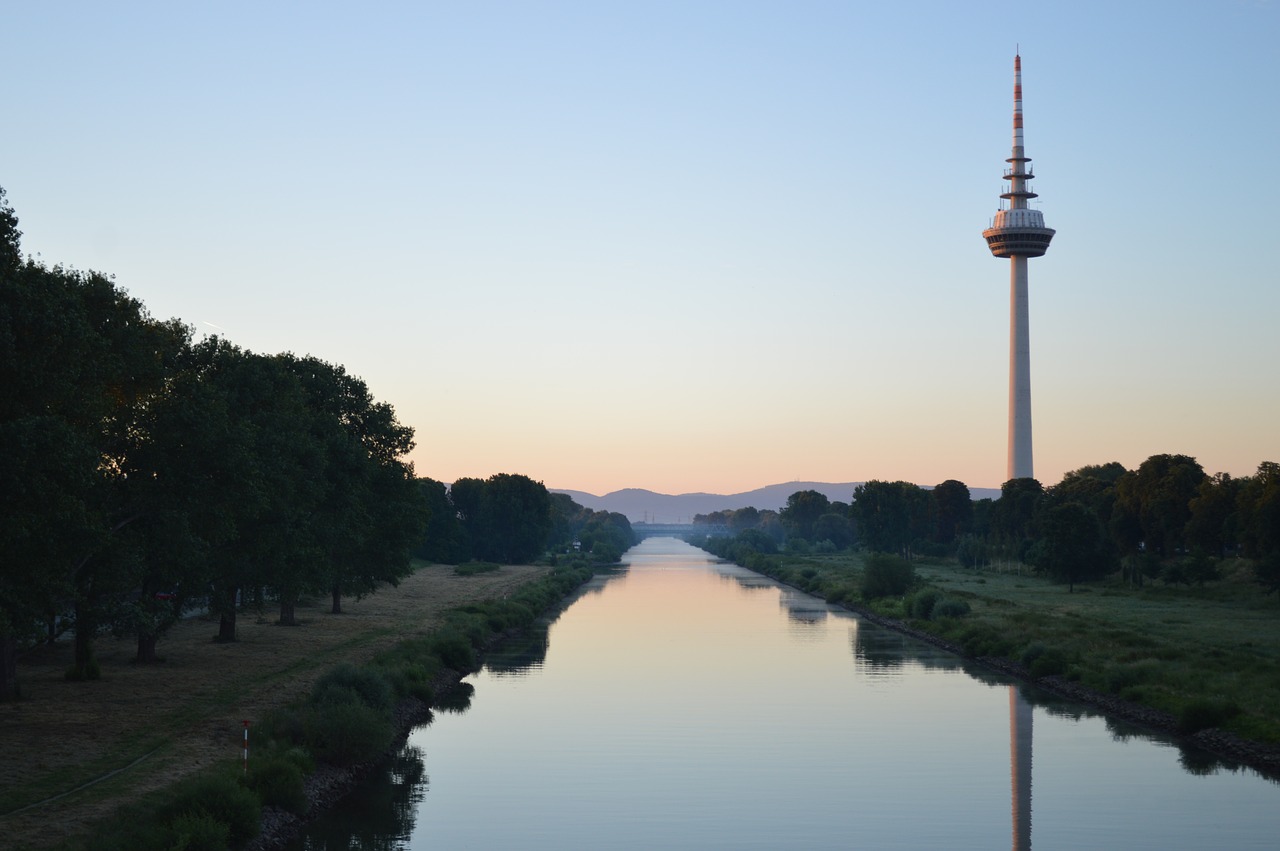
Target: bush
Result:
[[1050, 663], [798, 546], [199, 831], [454, 650], [886, 576], [920, 605], [277, 781], [949, 607], [219, 797], [346, 732], [368, 684]]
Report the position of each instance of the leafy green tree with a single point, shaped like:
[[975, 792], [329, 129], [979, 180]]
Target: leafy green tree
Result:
[[836, 528], [744, 518], [443, 541], [79, 358], [885, 575], [371, 512], [1072, 547], [1214, 522], [507, 517], [1259, 508], [1154, 501], [802, 511], [889, 516], [950, 510], [1013, 516], [606, 535]]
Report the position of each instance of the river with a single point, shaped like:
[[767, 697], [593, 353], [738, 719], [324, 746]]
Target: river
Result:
[[683, 703]]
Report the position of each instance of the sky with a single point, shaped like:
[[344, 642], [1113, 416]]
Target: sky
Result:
[[686, 246]]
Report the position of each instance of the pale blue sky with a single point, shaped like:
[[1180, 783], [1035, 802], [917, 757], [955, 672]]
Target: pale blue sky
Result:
[[686, 246]]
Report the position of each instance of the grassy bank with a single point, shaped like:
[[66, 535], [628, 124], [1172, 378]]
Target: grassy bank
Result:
[[1208, 657], [77, 753]]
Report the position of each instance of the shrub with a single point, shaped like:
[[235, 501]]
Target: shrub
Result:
[[1048, 664], [199, 831], [454, 650], [886, 576], [949, 607], [921, 603], [346, 732], [471, 568], [278, 783], [798, 546], [221, 798], [368, 684], [409, 679]]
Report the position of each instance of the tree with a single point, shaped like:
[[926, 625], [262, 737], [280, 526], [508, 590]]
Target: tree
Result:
[[1155, 502], [1259, 508], [951, 510], [1013, 515], [1213, 525], [371, 512], [802, 511], [835, 528], [1072, 546], [79, 359], [443, 541], [506, 518], [889, 516], [606, 535]]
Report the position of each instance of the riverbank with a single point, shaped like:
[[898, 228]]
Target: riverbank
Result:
[[1193, 663], [77, 752]]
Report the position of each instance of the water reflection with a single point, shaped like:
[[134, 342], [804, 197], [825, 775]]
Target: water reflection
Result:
[[387, 808], [678, 684], [1020, 767]]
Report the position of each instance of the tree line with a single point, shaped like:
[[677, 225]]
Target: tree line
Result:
[[512, 519], [1167, 519], [147, 473]]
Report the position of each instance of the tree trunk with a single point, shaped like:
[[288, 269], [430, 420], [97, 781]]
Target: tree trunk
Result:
[[337, 600], [227, 617], [227, 627], [286, 611], [147, 649], [85, 667], [8, 667]]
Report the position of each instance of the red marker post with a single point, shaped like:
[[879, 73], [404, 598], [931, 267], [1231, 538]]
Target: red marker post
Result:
[[246, 747]]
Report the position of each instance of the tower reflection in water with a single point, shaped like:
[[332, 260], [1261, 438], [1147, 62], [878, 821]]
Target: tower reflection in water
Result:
[[1020, 768]]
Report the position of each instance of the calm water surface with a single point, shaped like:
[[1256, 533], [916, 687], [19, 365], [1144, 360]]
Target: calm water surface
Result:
[[682, 703]]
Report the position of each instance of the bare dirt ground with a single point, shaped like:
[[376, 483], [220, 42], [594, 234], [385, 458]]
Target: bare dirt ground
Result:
[[71, 753]]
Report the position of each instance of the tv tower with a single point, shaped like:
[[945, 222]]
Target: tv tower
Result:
[[1018, 232]]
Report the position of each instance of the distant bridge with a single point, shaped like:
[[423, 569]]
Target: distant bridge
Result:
[[677, 530]]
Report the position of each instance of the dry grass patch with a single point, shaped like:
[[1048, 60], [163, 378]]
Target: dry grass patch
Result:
[[156, 723]]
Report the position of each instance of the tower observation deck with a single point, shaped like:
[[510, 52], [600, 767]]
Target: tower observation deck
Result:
[[1018, 233]]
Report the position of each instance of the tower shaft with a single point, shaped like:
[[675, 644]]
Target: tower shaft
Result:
[[1020, 464]]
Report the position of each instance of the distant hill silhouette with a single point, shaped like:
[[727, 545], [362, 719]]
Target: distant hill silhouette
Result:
[[641, 505]]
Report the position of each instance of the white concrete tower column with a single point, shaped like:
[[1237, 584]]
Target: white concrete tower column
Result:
[[1020, 464], [1018, 233]]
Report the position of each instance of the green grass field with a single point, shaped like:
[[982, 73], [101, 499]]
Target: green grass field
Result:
[[1208, 656]]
